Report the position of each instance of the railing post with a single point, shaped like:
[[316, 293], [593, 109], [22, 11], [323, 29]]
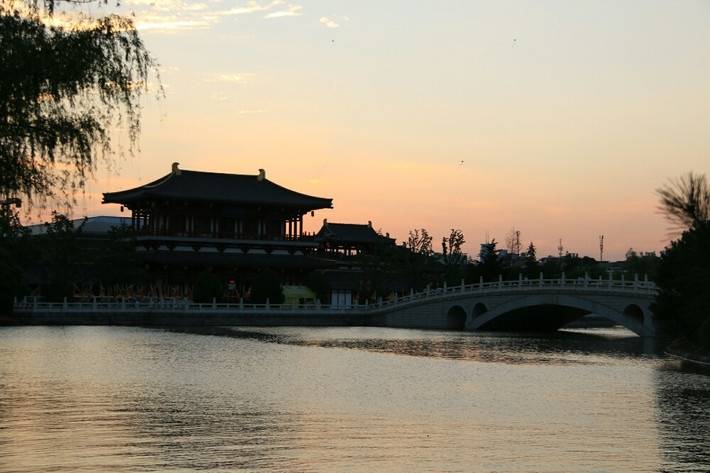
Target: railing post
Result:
[[34, 303], [611, 280], [500, 281], [563, 279], [542, 279], [623, 281], [267, 304], [93, 303], [64, 303], [379, 301], [366, 305], [586, 279], [636, 281], [241, 303], [444, 286], [123, 303], [411, 292], [214, 303], [480, 283], [520, 279]]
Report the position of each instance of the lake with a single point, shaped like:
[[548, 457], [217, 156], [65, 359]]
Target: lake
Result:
[[369, 400]]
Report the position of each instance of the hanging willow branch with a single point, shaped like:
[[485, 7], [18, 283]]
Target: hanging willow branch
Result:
[[63, 92]]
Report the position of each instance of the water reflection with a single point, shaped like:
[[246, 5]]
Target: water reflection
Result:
[[683, 416], [361, 400], [562, 347]]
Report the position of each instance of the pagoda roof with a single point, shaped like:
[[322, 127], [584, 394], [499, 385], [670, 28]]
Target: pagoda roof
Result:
[[185, 185], [349, 233]]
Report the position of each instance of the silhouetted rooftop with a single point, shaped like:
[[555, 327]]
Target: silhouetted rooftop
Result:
[[349, 232], [184, 185]]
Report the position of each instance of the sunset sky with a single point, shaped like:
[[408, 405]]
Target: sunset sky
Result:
[[557, 118]]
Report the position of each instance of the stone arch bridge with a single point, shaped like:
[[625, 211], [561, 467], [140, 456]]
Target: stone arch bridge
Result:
[[523, 305]]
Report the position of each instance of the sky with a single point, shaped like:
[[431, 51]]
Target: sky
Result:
[[556, 118]]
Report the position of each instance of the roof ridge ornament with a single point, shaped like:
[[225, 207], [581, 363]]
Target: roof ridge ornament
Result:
[[261, 176], [176, 170]]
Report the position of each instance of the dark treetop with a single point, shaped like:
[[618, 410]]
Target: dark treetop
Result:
[[183, 185]]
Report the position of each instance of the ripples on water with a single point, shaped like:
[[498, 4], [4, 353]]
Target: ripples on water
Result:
[[345, 399]]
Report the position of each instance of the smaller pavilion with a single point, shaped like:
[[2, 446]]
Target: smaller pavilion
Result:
[[350, 239]]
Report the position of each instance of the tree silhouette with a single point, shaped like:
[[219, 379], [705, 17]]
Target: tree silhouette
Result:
[[685, 201], [62, 91], [532, 266], [419, 242], [684, 272], [451, 248]]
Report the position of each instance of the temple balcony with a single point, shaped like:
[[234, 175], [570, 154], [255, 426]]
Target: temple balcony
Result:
[[227, 242]]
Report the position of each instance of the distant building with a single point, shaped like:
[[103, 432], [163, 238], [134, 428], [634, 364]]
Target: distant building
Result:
[[89, 226]]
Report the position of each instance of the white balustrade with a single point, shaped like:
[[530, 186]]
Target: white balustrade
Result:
[[610, 286]]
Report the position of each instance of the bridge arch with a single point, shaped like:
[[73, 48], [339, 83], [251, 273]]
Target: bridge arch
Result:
[[456, 318], [479, 309], [629, 319], [634, 311]]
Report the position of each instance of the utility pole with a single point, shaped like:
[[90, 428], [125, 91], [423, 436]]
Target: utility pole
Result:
[[560, 249], [601, 248]]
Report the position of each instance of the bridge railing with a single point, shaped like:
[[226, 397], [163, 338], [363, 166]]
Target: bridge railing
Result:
[[33, 305], [636, 286], [577, 284]]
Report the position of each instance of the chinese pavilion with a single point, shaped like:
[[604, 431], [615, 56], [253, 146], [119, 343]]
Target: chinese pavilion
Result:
[[187, 213]]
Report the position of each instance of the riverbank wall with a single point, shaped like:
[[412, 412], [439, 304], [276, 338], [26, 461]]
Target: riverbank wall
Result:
[[182, 318], [416, 319]]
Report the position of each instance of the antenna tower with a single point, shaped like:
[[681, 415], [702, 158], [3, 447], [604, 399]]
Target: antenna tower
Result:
[[560, 249], [517, 242]]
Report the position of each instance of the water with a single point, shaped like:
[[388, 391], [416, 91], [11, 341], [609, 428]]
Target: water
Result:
[[348, 399]]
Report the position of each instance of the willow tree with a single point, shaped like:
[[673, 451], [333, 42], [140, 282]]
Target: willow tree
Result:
[[65, 88]]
